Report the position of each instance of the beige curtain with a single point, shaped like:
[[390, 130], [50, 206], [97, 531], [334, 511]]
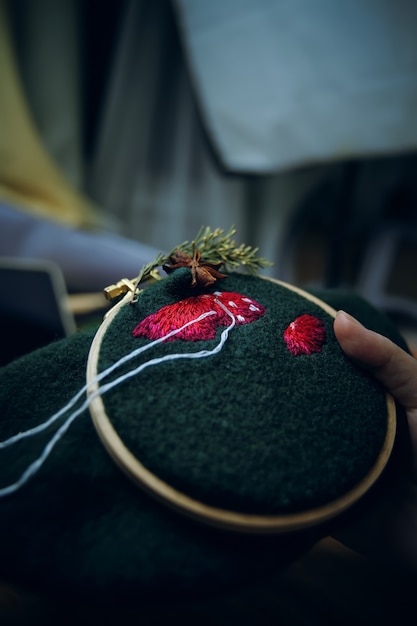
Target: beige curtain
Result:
[[154, 170], [30, 176]]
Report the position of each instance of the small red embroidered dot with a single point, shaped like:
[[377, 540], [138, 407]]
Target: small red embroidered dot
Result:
[[305, 335], [175, 315]]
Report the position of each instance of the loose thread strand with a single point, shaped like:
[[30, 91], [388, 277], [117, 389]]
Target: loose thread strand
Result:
[[34, 467], [41, 427]]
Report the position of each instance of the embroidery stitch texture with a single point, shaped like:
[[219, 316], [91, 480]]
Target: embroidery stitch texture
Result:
[[305, 335], [173, 316]]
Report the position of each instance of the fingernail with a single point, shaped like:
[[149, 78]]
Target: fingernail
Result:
[[349, 317]]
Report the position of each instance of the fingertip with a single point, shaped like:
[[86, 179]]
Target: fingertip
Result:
[[391, 365], [352, 336], [360, 343], [344, 324], [345, 318]]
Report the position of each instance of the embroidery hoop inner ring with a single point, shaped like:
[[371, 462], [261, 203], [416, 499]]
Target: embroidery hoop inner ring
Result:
[[211, 515]]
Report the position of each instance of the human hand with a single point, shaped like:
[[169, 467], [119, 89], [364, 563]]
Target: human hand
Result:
[[387, 529]]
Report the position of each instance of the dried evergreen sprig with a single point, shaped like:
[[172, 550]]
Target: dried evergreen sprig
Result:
[[215, 247]]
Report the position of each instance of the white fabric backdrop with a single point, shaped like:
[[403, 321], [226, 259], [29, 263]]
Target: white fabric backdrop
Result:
[[283, 84]]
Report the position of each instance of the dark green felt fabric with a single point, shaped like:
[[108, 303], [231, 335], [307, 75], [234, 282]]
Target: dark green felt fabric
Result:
[[252, 428]]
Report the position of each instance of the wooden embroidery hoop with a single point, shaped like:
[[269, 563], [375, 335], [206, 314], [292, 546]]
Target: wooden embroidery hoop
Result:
[[223, 518]]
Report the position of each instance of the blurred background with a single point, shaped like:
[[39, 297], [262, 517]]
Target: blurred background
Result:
[[125, 126]]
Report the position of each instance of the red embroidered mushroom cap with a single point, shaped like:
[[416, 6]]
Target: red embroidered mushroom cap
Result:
[[305, 335], [173, 316]]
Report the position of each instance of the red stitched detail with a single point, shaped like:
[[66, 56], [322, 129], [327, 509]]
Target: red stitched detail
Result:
[[305, 335], [173, 316]]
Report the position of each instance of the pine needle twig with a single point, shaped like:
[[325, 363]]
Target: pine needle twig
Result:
[[215, 246]]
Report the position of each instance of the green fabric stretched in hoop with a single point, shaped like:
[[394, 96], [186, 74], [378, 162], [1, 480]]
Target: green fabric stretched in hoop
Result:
[[253, 428]]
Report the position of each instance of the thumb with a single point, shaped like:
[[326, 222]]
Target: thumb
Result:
[[391, 365]]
